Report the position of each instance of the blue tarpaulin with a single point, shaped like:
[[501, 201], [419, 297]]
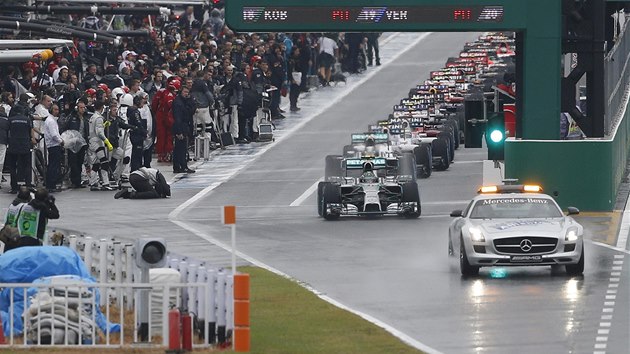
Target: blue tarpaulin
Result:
[[34, 264]]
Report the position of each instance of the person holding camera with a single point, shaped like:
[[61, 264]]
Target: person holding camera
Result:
[[34, 216]]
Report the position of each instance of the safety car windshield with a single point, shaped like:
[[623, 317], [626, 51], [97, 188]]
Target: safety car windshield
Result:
[[515, 208]]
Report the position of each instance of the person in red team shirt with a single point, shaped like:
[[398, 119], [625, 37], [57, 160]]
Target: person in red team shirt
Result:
[[162, 107]]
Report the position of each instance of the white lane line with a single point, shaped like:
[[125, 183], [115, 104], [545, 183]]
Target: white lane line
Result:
[[463, 162], [622, 238], [307, 193], [601, 244], [174, 215], [608, 308], [400, 335]]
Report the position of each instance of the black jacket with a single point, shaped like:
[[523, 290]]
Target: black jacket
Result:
[[183, 110], [202, 94], [19, 133], [138, 132], [74, 122], [4, 129]]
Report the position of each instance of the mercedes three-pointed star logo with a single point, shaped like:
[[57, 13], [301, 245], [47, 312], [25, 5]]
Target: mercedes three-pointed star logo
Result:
[[526, 245]]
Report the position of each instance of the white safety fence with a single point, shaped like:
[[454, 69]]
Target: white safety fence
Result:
[[64, 314], [186, 284]]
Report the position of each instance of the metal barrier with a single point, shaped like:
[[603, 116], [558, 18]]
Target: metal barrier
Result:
[[617, 83], [205, 292]]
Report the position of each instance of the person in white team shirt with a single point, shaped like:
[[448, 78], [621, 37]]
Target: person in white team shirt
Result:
[[54, 144], [328, 51]]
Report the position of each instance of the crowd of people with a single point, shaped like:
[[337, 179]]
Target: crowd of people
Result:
[[101, 112]]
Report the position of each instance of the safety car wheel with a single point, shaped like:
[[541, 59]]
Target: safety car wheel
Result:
[[410, 194], [332, 194], [464, 266], [578, 268], [450, 247], [424, 160], [440, 149], [333, 167]]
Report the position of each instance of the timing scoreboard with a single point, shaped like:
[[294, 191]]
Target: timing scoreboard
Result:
[[292, 15], [376, 16]]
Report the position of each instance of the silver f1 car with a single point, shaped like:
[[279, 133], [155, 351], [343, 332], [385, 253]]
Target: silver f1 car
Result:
[[515, 225], [369, 186]]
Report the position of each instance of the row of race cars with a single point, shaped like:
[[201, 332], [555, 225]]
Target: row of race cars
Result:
[[376, 173], [510, 225]]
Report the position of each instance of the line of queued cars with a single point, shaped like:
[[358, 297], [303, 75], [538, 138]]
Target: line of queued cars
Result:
[[421, 135]]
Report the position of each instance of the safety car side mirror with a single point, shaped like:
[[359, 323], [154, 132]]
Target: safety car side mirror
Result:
[[573, 211], [456, 213]]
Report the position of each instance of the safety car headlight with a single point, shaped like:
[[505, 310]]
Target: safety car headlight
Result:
[[571, 236], [476, 235]]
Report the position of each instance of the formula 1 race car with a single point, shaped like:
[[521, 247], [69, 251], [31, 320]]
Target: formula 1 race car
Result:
[[515, 225], [369, 186]]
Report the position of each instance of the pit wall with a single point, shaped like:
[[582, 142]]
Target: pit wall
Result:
[[581, 173]]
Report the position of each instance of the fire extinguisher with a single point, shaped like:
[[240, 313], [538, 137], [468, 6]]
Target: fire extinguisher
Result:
[[174, 329]]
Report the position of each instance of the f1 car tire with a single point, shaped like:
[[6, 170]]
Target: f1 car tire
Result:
[[348, 151], [440, 149], [320, 195], [464, 266], [448, 135], [578, 268], [333, 168], [410, 194], [461, 118], [424, 160], [332, 194], [407, 166], [455, 126]]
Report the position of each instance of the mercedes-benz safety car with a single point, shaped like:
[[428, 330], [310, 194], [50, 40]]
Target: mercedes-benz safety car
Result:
[[515, 225], [367, 186]]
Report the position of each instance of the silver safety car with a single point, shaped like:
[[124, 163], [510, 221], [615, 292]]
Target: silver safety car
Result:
[[515, 225]]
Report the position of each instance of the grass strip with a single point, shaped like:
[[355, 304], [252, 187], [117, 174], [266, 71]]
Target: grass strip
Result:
[[286, 318]]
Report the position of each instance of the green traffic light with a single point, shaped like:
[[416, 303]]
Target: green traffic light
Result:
[[496, 136]]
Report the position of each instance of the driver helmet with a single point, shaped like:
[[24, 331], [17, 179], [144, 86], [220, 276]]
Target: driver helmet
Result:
[[368, 175]]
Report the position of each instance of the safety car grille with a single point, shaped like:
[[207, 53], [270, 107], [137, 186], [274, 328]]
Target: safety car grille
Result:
[[518, 245]]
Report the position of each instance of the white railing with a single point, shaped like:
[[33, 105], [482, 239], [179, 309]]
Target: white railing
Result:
[[206, 293], [64, 314]]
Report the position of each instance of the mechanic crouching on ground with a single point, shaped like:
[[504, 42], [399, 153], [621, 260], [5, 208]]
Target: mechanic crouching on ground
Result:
[[34, 217], [148, 183]]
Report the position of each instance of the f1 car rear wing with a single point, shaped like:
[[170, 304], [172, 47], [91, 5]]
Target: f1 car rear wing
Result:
[[357, 164], [379, 138]]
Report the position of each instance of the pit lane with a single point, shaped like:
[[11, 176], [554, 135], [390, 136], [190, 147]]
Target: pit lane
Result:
[[393, 269]]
